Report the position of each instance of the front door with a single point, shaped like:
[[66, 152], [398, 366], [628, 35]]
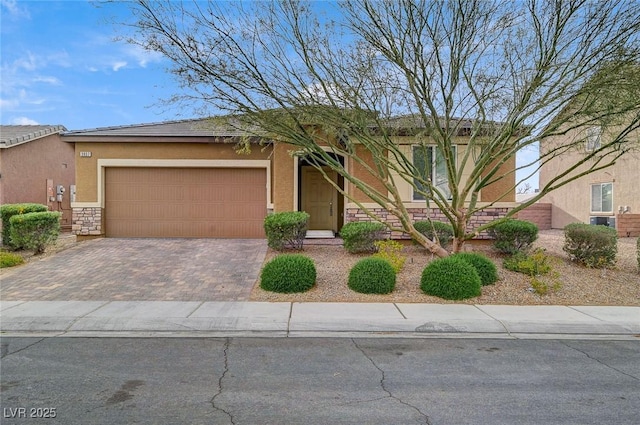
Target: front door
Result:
[[320, 199]]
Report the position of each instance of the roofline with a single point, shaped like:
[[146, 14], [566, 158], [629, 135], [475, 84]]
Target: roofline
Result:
[[119, 127], [29, 137]]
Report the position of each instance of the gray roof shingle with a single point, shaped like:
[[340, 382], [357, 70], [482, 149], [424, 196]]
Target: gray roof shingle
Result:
[[12, 135], [183, 128]]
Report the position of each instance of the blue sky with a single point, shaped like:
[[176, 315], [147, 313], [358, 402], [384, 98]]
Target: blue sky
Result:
[[60, 65]]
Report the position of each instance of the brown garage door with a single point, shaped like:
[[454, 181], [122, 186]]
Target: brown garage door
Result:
[[185, 202]]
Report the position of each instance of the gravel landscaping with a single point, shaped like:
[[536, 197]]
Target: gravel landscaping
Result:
[[576, 285]]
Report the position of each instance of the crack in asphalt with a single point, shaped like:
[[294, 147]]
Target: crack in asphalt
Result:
[[384, 388], [599, 361], [225, 352], [4, 348]]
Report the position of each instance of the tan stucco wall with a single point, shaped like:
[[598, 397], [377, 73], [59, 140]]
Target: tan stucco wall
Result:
[[572, 202], [497, 190], [360, 172], [87, 168], [283, 178], [25, 168]]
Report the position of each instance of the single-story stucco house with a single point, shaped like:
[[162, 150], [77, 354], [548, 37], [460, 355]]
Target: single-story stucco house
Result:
[[186, 179], [36, 166]]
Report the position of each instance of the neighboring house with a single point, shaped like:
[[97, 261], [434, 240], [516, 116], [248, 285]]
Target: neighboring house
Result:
[[185, 179], [609, 197], [35, 164]]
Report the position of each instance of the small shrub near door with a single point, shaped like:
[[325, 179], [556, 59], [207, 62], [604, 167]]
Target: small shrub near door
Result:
[[372, 276], [360, 236], [591, 245], [35, 230], [9, 210], [286, 229], [486, 269], [513, 236], [450, 278], [288, 273]]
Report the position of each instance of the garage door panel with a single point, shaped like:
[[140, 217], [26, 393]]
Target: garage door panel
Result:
[[185, 202]]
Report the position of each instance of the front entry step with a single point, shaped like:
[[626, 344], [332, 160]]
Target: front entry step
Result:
[[320, 234]]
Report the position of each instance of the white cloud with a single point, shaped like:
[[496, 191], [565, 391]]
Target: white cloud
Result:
[[120, 64], [142, 57], [24, 121], [15, 10], [48, 80]]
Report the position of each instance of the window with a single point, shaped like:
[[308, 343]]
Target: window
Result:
[[592, 142], [602, 197], [431, 165]]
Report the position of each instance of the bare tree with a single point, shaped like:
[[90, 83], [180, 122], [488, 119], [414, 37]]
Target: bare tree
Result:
[[495, 71]]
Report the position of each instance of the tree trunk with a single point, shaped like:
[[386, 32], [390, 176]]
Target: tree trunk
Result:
[[431, 246]]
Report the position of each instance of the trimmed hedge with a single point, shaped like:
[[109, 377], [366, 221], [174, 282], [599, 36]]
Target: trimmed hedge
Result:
[[450, 278], [9, 210], [286, 229], [35, 230], [372, 276], [360, 236], [487, 271], [288, 273], [513, 236], [591, 245], [433, 229]]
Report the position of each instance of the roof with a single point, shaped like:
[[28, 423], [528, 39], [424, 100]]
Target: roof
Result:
[[204, 127], [12, 135]]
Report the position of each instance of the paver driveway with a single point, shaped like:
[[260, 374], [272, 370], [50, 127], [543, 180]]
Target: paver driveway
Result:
[[141, 270]]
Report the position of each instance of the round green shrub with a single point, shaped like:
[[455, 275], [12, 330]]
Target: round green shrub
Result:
[[513, 236], [372, 276], [360, 236], [432, 229], [591, 245], [286, 229], [487, 271], [450, 278], [288, 273]]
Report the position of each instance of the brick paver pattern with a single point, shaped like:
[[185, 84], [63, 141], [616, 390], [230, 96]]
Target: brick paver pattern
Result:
[[140, 270]]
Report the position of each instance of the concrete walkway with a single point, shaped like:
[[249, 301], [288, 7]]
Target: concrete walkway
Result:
[[208, 319]]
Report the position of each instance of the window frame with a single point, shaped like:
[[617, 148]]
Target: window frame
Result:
[[593, 141], [434, 149], [601, 211]]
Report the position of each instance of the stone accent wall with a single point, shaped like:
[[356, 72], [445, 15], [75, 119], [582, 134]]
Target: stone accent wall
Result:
[[418, 214], [628, 225], [87, 221], [539, 214]]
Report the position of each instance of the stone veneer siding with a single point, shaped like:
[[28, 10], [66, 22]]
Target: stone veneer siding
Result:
[[87, 221], [418, 214]]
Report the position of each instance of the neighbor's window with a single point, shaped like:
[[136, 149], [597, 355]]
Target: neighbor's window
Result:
[[602, 197], [431, 164], [594, 135]]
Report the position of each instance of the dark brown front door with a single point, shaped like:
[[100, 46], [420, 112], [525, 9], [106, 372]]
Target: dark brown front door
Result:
[[319, 199]]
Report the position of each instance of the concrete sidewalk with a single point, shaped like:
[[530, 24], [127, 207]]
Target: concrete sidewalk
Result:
[[207, 319]]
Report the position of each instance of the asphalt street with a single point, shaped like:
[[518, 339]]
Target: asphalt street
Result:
[[318, 381]]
